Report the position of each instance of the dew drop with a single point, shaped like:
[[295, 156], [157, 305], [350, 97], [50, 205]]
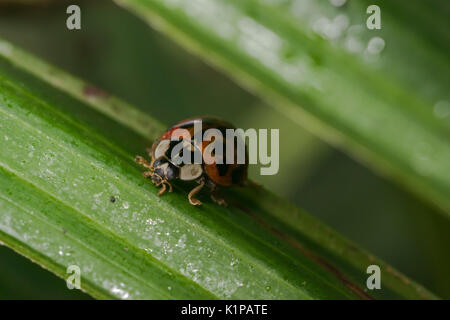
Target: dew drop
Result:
[[375, 45], [338, 3], [442, 109]]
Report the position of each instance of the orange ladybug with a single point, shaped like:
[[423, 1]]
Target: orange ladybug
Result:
[[165, 167]]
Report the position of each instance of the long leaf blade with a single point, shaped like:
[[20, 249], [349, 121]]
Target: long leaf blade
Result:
[[61, 162], [348, 99]]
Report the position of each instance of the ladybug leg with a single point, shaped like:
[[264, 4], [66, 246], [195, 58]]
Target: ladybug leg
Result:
[[219, 200], [216, 198], [142, 162], [193, 192], [162, 190], [214, 194], [170, 186], [147, 174]]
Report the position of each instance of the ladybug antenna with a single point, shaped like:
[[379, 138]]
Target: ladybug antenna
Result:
[[152, 169]]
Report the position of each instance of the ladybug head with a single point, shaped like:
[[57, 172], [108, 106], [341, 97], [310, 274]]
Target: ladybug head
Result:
[[163, 171]]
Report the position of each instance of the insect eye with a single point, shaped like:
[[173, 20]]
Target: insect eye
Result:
[[172, 172], [159, 171], [158, 163]]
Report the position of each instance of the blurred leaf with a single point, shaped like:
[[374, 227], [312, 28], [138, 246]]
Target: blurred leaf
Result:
[[67, 148], [309, 60], [22, 279], [18, 3]]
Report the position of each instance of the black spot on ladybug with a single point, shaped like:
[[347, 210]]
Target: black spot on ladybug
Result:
[[172, 144]]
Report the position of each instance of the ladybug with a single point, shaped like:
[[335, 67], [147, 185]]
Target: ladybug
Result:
[[162, 169]]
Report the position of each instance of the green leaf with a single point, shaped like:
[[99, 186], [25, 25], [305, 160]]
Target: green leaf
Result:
[[298, 56], [67, 148], [28, 284]]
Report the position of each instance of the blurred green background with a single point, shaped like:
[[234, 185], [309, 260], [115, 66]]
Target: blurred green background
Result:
[[121, 54]]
